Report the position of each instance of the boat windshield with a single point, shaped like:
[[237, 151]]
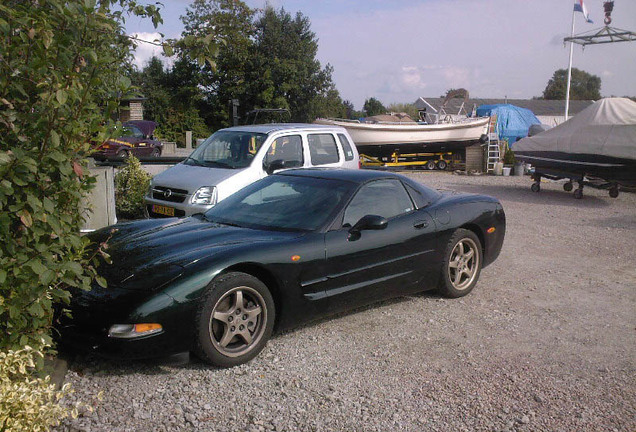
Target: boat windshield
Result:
[[227, 149]]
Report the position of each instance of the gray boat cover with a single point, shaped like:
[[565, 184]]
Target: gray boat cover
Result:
[[607, 128]]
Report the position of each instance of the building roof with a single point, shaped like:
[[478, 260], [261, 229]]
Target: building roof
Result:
[[540, 107]]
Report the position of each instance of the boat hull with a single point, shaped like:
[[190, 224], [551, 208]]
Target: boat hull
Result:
[[611, 169], [384, 139]]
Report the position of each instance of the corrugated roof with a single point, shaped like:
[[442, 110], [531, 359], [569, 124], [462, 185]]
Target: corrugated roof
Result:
[[539, 107]]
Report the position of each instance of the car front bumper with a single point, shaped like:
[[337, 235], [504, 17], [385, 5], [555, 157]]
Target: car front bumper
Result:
[[181, 209]]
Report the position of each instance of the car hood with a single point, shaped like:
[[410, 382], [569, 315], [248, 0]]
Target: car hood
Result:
[[147, 254], [192, 177]]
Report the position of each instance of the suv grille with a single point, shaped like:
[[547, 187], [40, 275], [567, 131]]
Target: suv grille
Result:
[[169, 194]]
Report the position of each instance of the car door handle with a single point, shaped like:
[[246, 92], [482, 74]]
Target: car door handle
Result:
[[420, 224]]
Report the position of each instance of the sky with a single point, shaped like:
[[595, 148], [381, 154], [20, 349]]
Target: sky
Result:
[[398, 51]]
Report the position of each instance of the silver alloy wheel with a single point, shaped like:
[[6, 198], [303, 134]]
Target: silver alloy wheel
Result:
[[238, 321], [463, 264]]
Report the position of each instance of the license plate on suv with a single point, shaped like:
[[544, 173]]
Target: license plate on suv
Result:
[[163, 210]]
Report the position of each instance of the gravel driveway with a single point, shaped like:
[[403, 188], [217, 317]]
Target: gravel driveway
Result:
[[545, 342]]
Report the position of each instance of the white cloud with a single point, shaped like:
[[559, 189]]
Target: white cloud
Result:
[[145, 51]]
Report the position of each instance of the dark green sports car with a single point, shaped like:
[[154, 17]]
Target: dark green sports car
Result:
[[290, 248]]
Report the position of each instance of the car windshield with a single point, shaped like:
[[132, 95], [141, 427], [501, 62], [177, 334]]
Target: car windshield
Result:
[[227, 149], [285, 203]]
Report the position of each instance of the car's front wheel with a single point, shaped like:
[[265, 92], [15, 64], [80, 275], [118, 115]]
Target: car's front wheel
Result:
[[235, 320], [462, 264]]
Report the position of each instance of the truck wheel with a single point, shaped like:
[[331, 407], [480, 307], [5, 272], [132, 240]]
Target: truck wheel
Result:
[[430, 165], [441, 165]]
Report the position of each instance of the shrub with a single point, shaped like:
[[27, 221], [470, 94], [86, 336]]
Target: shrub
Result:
[[131, 184], [509, 157], [28, 403]]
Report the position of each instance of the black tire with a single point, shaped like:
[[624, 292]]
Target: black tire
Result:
[[568, 186], [578, 193], [536, 187], [613, 192], [461, 267], [245, 314], [441, 165], [156, 152], [430, 165], [123, 154]]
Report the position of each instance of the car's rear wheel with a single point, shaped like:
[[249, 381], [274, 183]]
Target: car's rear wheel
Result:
[[155, 152], [462, 264], [123, 154], [235, 320]]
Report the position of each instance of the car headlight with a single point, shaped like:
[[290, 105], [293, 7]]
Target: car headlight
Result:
[[205, 195], [150, 186], [129, 331]]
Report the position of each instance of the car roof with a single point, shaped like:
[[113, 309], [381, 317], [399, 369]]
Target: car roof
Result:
[[351, 175], [279, 127]]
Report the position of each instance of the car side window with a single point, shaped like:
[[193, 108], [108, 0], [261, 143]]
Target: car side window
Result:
[[348, 151], [417, 196], [386, 198], [322, 149], [288, 149]]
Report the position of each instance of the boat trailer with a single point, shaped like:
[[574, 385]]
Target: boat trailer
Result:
[[429, 161], [572, 177]]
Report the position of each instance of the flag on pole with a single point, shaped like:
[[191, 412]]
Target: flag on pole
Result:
[[579, 6]]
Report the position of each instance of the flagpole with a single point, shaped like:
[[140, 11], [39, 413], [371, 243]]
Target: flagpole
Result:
[[567, 91]]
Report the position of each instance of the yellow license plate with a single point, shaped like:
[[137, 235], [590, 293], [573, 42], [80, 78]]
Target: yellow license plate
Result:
[[167, 211]]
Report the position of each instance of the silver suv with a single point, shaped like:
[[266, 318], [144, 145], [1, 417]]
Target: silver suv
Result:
[[235, 157]]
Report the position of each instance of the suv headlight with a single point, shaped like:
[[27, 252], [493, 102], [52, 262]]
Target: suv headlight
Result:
[[205, 195]]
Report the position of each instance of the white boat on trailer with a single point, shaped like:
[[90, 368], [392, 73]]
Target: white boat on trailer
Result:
[[383, 138]]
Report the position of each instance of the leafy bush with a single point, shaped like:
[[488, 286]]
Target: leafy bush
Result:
[[28, 403], [509, 156], [175, 123], [131, 184]]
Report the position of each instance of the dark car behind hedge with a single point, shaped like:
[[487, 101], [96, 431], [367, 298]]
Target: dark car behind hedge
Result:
[[137, 140]]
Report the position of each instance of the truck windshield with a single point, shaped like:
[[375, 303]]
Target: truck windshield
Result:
[[227, 149]]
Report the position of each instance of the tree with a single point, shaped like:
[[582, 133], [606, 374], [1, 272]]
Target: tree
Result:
[[372, 107], [232, 21], [407, 108], [285, 72], [584, 86]]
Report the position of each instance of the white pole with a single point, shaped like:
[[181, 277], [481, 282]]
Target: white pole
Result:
[[567, 91]]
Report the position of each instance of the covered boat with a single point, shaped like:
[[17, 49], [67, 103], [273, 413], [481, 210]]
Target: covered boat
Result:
[[600, 142], [382, 138]]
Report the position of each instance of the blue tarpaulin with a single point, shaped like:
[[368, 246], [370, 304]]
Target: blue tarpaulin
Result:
[[513, 122]]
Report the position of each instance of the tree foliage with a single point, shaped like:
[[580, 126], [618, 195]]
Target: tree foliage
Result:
[[408, 108], [62, 69], [173, 98], [583, 86], [267, 60], [372, 107]]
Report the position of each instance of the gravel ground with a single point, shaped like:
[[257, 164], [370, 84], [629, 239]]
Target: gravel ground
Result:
[[545, 342]]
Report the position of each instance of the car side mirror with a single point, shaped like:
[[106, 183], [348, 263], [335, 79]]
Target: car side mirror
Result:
[[274, 165], [368, 222]]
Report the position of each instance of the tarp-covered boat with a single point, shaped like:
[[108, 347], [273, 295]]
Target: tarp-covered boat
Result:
[[513, 122], [600, 141]]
